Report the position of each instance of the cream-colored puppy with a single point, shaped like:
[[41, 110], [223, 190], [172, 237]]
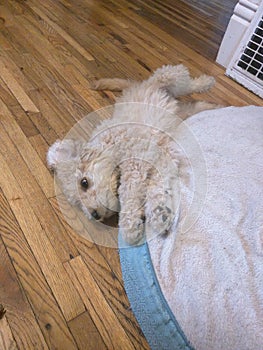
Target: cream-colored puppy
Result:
[[128, 166]]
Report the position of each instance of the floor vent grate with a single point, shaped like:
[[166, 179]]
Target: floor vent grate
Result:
[[247, 64]]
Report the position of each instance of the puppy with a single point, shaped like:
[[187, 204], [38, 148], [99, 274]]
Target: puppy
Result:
[[129, 165]]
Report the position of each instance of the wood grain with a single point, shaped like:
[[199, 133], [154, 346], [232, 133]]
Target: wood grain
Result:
[[33, 282], [108, 326], [60, 289], [66, 295], [90, 338], [7, 341], [20, 316]]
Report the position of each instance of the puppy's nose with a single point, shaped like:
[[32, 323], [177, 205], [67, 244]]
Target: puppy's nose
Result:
[[95, 215]]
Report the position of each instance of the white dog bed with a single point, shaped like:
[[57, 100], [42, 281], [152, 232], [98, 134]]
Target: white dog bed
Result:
[[202, 285]]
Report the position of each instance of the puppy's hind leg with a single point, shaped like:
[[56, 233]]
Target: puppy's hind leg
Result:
[[201, 84], [178, 82], [174, 79], [196, 85]]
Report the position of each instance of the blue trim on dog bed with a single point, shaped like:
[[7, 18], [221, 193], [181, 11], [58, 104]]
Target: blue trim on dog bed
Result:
[[150, 308]]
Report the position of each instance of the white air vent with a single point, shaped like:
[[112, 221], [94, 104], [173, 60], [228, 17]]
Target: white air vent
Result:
[[246, 67]]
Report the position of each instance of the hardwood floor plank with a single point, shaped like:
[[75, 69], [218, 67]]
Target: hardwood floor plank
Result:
[[46, 76], [15, 70], [7, 15], [104, 318], [31, 190], [11, 192], [40, 146], [86, 334], [63, 289], [7, 341], [39, 295], [107, 275], [16, 89], [71, 41], [176, 48], [24, 120], [56, 121], [27, 152], [4, 43], [231, 90], [22, 321], [102, 49], [6, 95], [44, 252]]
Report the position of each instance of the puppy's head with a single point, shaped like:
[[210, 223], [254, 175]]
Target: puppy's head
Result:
[[87, 176]]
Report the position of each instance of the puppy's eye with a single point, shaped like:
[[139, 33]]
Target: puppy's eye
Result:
[[84, 183]]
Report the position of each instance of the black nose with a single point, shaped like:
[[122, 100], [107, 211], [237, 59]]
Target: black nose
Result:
[[95, 215]]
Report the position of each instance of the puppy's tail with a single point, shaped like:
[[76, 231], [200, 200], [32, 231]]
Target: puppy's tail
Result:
[[114, 84]]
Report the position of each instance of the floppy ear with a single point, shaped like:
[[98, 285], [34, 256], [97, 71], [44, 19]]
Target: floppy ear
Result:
[[63, 151]]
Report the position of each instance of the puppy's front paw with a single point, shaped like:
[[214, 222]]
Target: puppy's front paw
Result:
[[161, 219], [134, 234]]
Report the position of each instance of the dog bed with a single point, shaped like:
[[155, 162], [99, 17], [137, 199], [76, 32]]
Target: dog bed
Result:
[[201, 286]]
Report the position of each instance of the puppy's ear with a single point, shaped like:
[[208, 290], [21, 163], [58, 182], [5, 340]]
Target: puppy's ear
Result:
[[63, 151]]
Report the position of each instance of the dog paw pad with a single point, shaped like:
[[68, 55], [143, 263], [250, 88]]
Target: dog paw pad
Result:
[[162, 219]]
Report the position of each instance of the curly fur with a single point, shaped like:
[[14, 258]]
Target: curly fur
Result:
[[130, 161]]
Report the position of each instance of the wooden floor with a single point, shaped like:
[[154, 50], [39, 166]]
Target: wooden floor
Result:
[[59, 290]]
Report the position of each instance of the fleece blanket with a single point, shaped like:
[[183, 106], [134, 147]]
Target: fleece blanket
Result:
[[209, 268]]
